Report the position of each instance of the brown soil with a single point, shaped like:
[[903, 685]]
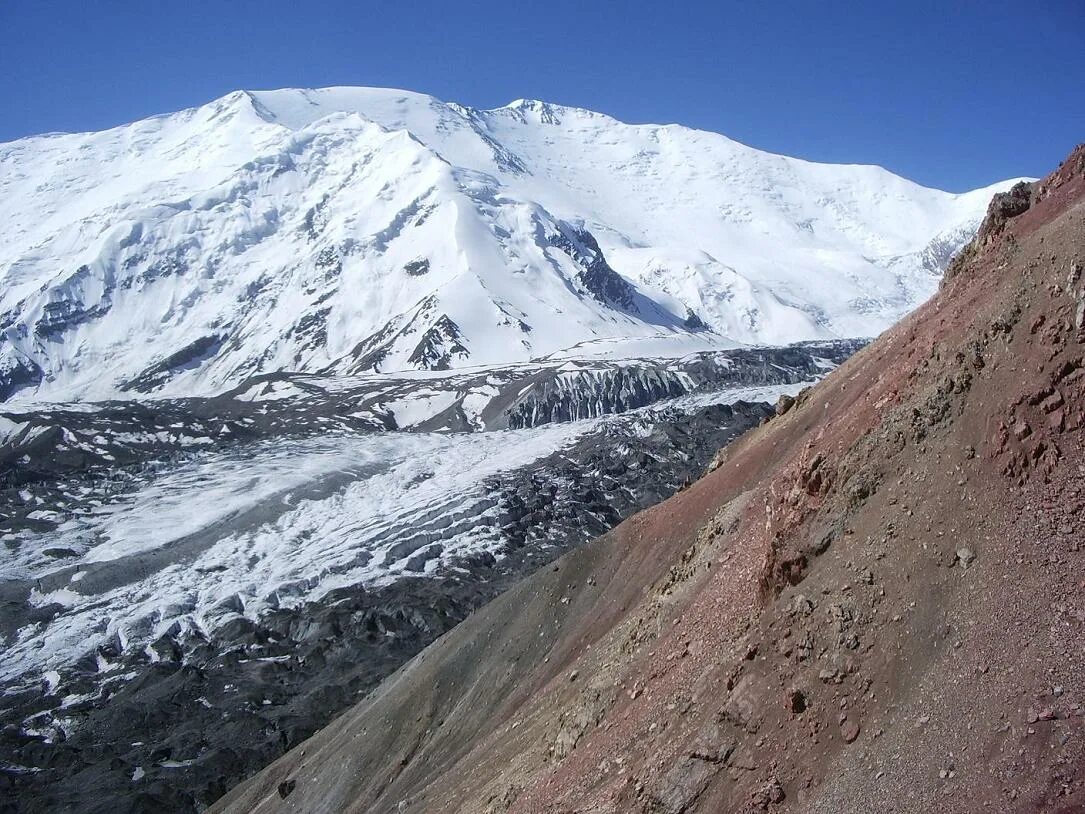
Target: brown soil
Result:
[[873, 603]]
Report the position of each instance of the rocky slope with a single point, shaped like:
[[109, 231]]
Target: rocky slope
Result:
[[346, 230], [873, 603]]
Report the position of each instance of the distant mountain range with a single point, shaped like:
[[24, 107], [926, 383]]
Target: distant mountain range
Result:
[[357, 229]]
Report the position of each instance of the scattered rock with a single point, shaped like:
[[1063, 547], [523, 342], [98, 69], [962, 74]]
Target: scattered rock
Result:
[[1052, 402], [801, 605], [772, 793], [849, 730]]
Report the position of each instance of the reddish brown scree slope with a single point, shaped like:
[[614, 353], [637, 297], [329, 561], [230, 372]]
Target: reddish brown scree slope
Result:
[[873, 603]]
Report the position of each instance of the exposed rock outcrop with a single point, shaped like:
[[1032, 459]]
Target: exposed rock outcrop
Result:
[[596, 275]]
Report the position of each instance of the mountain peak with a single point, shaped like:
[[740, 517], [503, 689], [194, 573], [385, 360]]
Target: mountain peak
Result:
[[543, 112], [286, 228]]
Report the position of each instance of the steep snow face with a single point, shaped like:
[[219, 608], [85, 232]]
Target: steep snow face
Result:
[[352, 229]]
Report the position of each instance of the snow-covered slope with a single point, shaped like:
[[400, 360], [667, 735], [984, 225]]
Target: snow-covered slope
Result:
[[351, 229]]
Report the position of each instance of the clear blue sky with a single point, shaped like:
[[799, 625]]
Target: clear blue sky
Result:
[[951, 94]]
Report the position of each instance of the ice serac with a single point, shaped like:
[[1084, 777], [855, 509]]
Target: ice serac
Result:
[[353, 229], [872, 602]]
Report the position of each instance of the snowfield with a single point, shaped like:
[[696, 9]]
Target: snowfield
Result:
[[347, 230]]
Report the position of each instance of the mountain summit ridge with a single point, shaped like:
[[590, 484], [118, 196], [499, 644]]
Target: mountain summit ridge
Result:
[[345, 229]]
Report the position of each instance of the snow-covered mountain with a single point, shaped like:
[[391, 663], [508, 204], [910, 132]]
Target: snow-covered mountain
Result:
[[354, 229]]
